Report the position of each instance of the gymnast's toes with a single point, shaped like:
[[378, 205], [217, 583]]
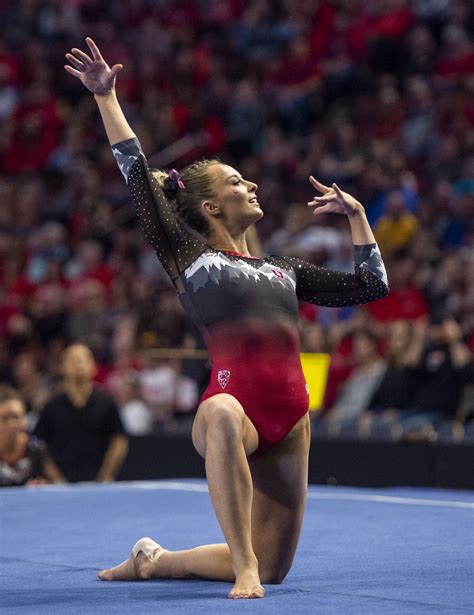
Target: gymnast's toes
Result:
[[126, 571], [247, 585]]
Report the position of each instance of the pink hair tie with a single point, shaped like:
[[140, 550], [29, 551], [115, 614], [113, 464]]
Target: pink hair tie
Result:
[[174, 175]]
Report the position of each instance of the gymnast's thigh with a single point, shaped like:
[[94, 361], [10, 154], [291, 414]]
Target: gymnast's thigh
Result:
[[223, 412], [280, 479]]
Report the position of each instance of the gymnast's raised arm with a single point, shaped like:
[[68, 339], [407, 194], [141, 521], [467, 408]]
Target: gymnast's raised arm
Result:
[[175, 246], [100, 79]]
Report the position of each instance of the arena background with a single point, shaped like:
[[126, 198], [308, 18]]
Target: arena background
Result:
[[376, 95]]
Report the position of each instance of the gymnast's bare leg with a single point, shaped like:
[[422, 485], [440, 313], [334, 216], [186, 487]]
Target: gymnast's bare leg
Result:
[[278, 502], [224, 436]]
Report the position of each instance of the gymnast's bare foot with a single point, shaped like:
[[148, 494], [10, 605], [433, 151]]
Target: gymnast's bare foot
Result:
[[133, 569], [141, 565], [247, 585]]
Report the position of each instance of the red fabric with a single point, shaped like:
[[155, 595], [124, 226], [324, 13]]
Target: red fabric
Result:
[[294, 71], [45, 292], [102, 273], [357, 38], [77, 223], [232, 253], [113, 376], [202, 65], [321, 34], [470, 344], [469, 112], [408, 303], [223, 11], [261, 367], [21, 288], [215, 135], [308, 311], [102, 373], [344, 348], [9, 69], [129, 88], [184, 14], [463, 65], [7, 310], [35, 137], [339, 371], [394, 24], [181, 114]]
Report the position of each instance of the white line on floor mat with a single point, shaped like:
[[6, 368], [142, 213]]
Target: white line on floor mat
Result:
[[352, 497]]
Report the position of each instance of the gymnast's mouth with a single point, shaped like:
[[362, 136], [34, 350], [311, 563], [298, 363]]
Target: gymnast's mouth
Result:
[[253, 200]]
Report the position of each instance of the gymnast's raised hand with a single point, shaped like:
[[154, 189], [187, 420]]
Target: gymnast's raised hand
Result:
[[333, 200], [94, 72]]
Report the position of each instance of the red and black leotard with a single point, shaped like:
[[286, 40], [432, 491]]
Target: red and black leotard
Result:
[[246, 308]]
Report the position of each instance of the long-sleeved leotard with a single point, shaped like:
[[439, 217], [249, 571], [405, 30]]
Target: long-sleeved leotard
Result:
[[246, 307]]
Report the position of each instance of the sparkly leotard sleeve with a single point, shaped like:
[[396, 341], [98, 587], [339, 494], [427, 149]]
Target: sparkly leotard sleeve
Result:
[[246, 307], [336, 289], [175, 245]]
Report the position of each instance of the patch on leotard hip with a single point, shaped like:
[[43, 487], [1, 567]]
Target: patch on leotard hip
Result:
[[223, 377]]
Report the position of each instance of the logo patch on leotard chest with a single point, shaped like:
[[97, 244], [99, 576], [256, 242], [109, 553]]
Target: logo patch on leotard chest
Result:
[[223, 377]]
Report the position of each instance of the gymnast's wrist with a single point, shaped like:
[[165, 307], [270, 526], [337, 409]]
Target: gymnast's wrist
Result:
[[358, 211], [108, 95]]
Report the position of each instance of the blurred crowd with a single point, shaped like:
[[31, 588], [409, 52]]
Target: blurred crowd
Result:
[[377, 95]]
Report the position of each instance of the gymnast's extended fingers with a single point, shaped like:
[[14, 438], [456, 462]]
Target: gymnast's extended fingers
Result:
[[324, 209], [320, 200], [75, 62], [318, 185], [115, 70], [72, 71], [338, 191], [94, 50], [82, 56]]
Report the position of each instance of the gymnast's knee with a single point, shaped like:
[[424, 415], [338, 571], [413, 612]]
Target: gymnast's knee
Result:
[[226, 420], [274, 576], [217, 418]]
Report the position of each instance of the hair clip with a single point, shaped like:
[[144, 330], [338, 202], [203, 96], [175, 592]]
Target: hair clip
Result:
[[174, 175]]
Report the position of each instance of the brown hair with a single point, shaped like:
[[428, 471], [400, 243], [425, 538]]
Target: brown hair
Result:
[[8, 393], [197, 188]]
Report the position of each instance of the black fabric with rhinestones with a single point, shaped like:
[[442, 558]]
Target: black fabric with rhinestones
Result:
[[175, 246], [216, 286]]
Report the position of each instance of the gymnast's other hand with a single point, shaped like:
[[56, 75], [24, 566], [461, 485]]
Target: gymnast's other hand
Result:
[[334, 200], [94, 72]]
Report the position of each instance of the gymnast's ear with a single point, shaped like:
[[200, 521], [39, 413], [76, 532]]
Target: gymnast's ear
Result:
[[211, 208]]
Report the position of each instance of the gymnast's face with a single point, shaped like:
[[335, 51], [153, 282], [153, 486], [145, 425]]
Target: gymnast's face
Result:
[[235, 202]]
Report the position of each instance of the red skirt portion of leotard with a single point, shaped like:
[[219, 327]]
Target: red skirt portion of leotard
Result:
[[259, 364]]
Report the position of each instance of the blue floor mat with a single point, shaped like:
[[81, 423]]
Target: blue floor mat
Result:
[[386, 551]]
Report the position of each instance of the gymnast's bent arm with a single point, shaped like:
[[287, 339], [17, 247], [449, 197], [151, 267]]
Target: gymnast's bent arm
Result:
[[333, 288]]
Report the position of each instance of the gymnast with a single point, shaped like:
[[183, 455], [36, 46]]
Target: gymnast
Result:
[[252, 425]]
